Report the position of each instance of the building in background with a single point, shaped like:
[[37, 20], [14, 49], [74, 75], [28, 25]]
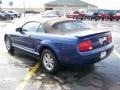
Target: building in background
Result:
[[63, 6]]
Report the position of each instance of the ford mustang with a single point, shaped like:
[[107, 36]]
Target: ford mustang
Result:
[[60, 42]]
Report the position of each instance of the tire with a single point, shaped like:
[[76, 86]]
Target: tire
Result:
[[117, 19], [102, 19], [0, 18], [49, 66], [15, 15], [96, 19], [11, 18], [18, 16], [8, 45], [7, 18], [74, 17]]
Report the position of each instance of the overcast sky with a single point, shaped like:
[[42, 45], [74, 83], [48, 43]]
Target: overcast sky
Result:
[[102, 4], [105, 4]]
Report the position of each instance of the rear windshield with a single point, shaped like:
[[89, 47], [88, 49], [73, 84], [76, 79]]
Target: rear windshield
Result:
[[70, 26]]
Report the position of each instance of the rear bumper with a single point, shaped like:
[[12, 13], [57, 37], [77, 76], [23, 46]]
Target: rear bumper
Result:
[[87, 58]]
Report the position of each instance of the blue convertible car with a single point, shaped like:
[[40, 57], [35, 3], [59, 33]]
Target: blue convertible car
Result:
[[60, 42]]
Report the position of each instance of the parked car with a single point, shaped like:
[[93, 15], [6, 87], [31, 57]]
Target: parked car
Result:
[[76, 15], [3, 16], [111, 16], [51, 14], [14, 13], [59, 42], [104, 16], [31, 12], [93, 16], [116, 16], [7, 15], [88, 15]]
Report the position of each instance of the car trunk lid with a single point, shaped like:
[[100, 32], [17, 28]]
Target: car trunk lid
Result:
[[93, 39]]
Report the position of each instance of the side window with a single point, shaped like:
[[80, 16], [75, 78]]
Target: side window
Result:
[[31, 27], [40, 29]]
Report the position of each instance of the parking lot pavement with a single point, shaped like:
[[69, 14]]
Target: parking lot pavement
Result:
[[17, 71], [13, 68]]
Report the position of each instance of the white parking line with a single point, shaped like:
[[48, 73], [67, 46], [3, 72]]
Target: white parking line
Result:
[[117, 54]]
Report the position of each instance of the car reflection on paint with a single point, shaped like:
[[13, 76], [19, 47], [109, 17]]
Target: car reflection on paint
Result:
[[60, 41]]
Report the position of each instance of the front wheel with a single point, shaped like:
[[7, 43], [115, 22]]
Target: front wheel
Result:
[[49, 61], [8, 44]]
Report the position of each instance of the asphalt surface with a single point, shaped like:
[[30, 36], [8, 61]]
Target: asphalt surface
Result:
[[20, 68]]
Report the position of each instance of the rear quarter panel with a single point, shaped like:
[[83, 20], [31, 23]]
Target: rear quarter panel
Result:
[[60, 44]]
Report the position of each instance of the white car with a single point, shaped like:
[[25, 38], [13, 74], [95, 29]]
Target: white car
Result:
[[16, 14], [51, 13]]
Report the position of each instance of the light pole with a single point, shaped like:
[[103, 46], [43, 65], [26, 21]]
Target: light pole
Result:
[[0, 7], [24, 7], [65, 9], [0, 4]]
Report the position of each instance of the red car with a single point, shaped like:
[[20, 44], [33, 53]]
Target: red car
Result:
[[76, 15], [104, 16], [116, 16]]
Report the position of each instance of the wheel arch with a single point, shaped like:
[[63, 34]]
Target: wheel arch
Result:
[[5, 37], [41, 49]]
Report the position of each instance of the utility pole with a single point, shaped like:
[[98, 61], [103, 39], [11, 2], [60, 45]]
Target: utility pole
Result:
[[65, 9], [0, 4], [24, 7], [0, 7]]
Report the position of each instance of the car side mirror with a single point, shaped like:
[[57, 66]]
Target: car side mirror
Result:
[[19, 29]]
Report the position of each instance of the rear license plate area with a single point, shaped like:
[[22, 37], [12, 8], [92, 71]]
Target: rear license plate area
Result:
[[103, 54]]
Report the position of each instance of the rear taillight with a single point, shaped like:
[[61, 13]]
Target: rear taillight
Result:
[[109, 38], [85, 45]]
